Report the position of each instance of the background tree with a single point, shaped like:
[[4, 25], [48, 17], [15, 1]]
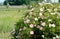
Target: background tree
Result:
[[59, 0], [20, 2]]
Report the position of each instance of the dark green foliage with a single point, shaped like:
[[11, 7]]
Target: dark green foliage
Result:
[[5, 2]]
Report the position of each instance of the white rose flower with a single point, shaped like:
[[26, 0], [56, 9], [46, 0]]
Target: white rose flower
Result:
[[53, 25], [20, 29], [40, 28], [43, 23], [55, 9], [52, 13], [41, 9], [36, 19], [31, 25], [49, 10], [31, 32], [40, 14], [43, 36], [49, 20]]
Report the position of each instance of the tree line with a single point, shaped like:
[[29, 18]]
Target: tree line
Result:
[[20, 2]]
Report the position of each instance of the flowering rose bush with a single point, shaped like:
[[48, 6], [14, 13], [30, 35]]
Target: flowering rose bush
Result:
[[42, 22]]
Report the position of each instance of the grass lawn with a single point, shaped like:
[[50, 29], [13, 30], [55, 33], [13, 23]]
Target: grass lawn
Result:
[[7, 19]]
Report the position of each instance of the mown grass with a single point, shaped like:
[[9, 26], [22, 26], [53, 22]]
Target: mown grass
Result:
[[8, 17]]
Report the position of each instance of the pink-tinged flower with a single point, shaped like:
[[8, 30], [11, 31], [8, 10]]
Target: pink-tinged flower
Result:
[[49, 20], [40, 28], [36, 19], [43, 23], [54, 37], [31, 25], [43, 36], [57, 36], [31, 32], [41, 9], [27, 21]]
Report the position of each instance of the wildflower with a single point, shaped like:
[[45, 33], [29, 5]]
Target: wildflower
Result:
[[24, 28], [40, 14], [31, 32], [31, 25], [30, 13], [27, 21], [40, 28], [41, 9], [51, 25], [49, 10], [32, 9], [20, 29], [52, 13], [55, 9], [49, 20], [43, 36], [36, 19], [43, 23]]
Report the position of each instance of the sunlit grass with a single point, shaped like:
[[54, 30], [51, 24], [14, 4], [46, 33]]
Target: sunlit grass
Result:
[[8, 17]]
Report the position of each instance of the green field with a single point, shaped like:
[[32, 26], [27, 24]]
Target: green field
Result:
[[8, 17]]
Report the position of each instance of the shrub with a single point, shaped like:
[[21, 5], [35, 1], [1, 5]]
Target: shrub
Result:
[[42, 22]]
